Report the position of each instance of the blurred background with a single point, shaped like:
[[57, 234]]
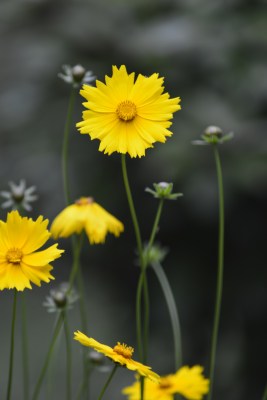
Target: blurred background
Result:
[[213, 55]]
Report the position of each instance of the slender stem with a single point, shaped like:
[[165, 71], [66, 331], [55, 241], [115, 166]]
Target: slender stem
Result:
[[68, 357], [48, 356], [132, 209], [11, 357], [76, 248], [24, 336], [265, 394], [219, 288], [108, 382], [176, 329], [66, 146], [84, 322], [156, 224]]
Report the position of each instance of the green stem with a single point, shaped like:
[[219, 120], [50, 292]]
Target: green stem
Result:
[[108, 382], [68, 357], [76, 248], [48, 356], [156, 224], [84, 322], [65, 147], [265, 394], [176, 329], [24, 336], [132, 209], [142, 285], [219, 287], [11, 357]]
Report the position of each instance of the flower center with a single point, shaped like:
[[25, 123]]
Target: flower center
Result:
[[126, 110], [14, 255], [83, 201], [164, 383], [123, 350]]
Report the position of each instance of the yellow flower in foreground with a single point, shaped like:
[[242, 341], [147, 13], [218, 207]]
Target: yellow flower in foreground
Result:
[[189, 382], [20, 263], [88, 215], [120, 353], [127, 116]]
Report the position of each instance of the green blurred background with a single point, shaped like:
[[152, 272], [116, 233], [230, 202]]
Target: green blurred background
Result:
[[213, 54]]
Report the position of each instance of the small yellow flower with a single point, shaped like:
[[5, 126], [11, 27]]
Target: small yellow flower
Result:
[[88, 215], [189, 382], [127, 116], [121, 353], [20, 263]]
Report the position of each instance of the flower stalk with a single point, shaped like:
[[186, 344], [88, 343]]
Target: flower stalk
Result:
[[219, 287], [108, 382], [48, 356], [11, 354], [24, 338], [65, 147]]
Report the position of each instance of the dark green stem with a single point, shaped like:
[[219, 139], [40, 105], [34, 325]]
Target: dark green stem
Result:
[[132, 209], [48, 356], [65, 147], [24, 338], [219, 287], [11, 357], [68, 358], [84, 322], [176, 329], [108, 382]]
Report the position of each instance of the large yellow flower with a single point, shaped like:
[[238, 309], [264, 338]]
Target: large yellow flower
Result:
[[127, 116], [189, 382], [20, 263], [121, 353], [88, 215]]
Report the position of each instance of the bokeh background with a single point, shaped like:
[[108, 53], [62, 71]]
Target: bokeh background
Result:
[[213, 55]]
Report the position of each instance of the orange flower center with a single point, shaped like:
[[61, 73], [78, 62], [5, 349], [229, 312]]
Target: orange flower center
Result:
[[123, 350], [83, 201], [126, 110], [14, 255], [164, 383]]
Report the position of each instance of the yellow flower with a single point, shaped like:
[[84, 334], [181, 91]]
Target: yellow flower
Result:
[[127, 116], [121, 353], [189, 382], [20, 263], [88, 215]]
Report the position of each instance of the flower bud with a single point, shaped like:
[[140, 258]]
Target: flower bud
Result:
[[163, 190]]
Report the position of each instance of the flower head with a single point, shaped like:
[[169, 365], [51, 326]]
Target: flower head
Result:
[[189, 382], [19, 196], [213, 135], [163, 190], [20, 263], [61, 298], [86, 214], [121, 354], [127, 116], [76, 76]]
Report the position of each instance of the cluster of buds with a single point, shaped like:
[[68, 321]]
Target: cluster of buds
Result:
[[163, 190], [76, 76]]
